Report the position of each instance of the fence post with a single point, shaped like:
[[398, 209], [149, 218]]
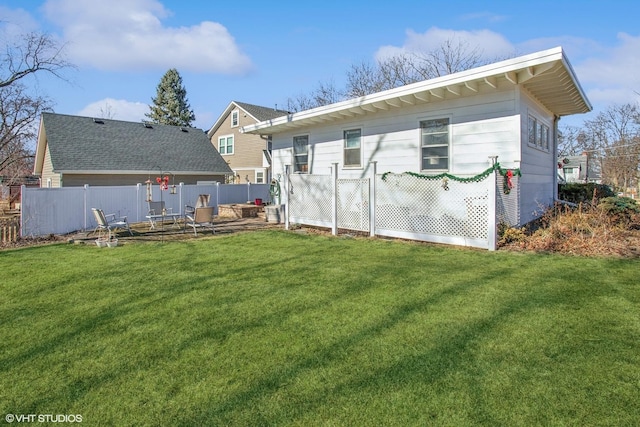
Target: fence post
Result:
[[334, 200], [23, 189], [287, 172], [372, 199], [491, 212], [85, 205], [218, 196]]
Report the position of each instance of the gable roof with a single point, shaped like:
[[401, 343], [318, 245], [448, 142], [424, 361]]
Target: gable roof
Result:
[[258, 113], [86, 145], [546, 75]]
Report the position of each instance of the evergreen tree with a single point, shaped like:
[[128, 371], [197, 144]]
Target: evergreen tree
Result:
[[170, 106]]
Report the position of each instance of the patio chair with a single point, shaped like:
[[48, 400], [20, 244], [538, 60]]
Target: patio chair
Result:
[[200, 218], [109, 222], [158, 212]]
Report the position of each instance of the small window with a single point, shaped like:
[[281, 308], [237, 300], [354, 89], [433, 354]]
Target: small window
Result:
[[533, 134], [234, 118], [260, 177], [435, 144], [225, 144], [301, 154], [352, 148], [544, 137], [538, 134]]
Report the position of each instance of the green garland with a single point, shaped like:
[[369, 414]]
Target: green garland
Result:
[[480, 177]]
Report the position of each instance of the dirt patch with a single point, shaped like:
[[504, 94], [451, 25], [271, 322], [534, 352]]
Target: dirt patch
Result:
[[142, 233]]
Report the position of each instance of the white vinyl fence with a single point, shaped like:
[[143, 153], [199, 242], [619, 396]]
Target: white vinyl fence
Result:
[[405, 206], [47, 211]]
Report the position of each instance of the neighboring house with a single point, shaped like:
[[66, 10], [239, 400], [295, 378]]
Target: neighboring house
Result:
[[453, 124], [249, 156], [74, 151], [577, 169]]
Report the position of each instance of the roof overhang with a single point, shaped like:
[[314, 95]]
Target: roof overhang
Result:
[[545, 75], [138, 172]]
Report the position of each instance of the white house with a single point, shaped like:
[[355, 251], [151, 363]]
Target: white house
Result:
[[452, 124]]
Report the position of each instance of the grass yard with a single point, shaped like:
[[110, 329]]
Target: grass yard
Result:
[[279, 328]]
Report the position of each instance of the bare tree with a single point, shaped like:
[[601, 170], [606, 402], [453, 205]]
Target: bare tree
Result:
[[452, 56], [614, 138], [35, 53], [106, 111], [19, 112], [324, 94], [19, 109]]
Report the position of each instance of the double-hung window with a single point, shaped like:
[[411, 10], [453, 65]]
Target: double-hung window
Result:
[[353, 148], [234, 118], [301, 154], [225, 144], [435, 144]]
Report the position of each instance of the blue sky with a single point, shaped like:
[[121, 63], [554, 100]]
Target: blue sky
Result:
[[265, 52]]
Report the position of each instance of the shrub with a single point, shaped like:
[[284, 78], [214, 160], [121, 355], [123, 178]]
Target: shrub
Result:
[[621, 210], [584, 193]]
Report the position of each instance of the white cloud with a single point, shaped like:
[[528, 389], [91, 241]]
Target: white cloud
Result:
[[490, 44], [117, 109], [15, 22], [612, 77], [129, 34]]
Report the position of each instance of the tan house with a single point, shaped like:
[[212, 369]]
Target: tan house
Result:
[[73, 151], [248, 155]]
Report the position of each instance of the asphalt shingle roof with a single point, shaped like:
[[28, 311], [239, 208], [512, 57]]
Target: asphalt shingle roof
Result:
[[85, 144], [261, 113]]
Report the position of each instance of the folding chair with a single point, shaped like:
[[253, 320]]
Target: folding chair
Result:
[[200, 218], [109, 222]]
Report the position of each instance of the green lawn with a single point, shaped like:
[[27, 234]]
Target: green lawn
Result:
[[279, 328]]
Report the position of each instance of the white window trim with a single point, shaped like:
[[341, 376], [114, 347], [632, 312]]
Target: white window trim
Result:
[[345, 166], [233, 145], [293, 155], [539, 126], [449, 143], [235, 113]]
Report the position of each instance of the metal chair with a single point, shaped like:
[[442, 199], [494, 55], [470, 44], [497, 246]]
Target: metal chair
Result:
[[109, 222], [200, 218]]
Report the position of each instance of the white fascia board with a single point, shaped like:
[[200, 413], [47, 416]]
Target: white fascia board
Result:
[[137, 172], [490, 70], [223, 116], [576, 83]]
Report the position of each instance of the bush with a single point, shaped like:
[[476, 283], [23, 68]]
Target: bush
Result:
[[508, 234], [584, 193], [621, 210]]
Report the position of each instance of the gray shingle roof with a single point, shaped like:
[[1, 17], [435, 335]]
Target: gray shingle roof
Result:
[[261, 113], [83, 144]]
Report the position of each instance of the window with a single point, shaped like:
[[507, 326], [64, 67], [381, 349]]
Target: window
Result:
[[538, 134], [352, 148], [260, 177], [301, 153], [234, 118], [225, 144], [435, 144]]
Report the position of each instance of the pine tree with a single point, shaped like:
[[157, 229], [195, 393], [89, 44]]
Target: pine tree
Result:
[[170, 106]]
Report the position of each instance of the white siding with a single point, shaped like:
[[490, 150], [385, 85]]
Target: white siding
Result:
[[538, 166], [481, 126]]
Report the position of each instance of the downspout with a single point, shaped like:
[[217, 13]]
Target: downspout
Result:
[[556, 119]]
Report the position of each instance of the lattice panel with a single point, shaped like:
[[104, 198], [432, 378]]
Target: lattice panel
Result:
[[353, 204], [310, 199], [433, 207], [507, 204]]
